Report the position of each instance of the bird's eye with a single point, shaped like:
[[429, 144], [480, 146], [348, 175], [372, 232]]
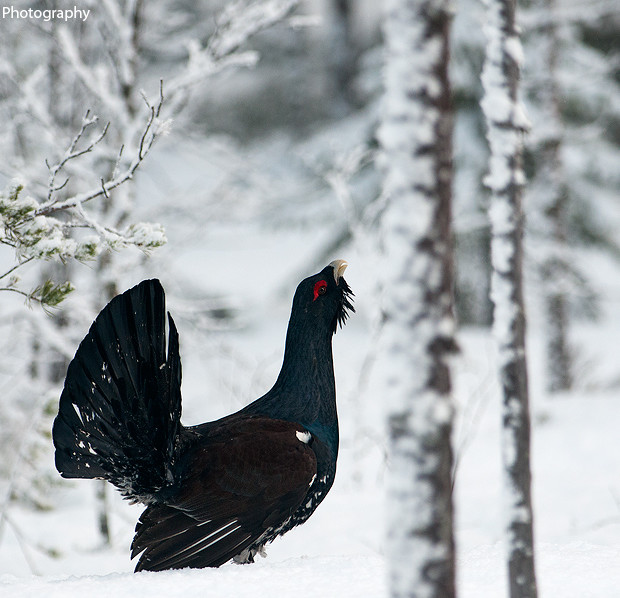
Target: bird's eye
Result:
[[320, 288]]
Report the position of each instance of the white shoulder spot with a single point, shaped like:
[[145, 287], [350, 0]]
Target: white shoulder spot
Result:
[[303, 436]]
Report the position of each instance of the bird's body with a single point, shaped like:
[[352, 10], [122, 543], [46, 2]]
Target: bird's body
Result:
[[222, 489]]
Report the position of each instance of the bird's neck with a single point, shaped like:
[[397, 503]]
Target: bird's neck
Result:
[[308, 366], [305, 389]]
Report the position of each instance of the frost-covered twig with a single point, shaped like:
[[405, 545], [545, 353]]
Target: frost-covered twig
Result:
[[95, 81], [237, 24], [15, 267], [153, 128], [31, 229], [34, 235], [72, 153], [240, 21]]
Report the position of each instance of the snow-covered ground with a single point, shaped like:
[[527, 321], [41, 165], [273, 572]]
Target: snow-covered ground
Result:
[[339, 551]]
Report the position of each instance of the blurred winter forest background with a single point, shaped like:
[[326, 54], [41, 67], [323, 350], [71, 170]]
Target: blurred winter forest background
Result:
[[229, 150]]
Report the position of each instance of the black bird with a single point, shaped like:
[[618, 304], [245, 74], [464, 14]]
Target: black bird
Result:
[[222, 489]]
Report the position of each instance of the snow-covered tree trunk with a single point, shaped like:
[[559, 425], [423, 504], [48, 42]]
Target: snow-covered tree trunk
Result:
[[418, 330], [506, 124], [548, 192]]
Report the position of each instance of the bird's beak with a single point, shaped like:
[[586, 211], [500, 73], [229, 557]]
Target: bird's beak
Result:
[[339, 267]]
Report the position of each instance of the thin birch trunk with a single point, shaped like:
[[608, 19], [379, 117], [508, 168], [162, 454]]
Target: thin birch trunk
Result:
[[506, 124], [418, 327]]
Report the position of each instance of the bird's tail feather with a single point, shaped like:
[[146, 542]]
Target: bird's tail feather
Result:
[[120, 409]]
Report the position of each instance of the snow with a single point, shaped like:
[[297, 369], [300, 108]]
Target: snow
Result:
[[326, 576], [146, 234], [499, 105]]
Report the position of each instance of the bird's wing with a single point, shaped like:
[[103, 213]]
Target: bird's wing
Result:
[[120, 408], [242, 484]]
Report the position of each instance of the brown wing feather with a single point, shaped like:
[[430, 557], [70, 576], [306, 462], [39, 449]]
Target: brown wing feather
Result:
[[247, 478]]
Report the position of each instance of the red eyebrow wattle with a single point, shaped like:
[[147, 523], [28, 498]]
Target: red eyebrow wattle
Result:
[[317, 287]]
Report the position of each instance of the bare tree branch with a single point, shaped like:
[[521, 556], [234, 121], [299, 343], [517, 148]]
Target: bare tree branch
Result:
[[150, 133], [72, 153]]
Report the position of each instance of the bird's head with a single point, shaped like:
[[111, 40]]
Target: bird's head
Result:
[[325, 297]]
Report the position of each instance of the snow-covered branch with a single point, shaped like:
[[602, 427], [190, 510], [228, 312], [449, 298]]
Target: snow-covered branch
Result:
[[235, 26], [96, 81], [39, 237], [30, 228], [152, 130], [240, 21], [71, 154]]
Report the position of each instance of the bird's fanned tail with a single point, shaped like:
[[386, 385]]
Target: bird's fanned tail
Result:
[[120, 409]]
